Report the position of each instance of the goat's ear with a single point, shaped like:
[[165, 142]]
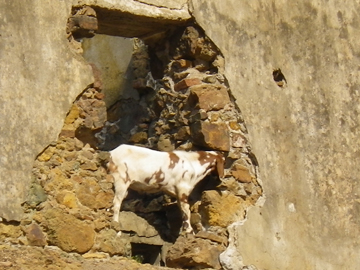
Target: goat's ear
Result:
[[220, 165]]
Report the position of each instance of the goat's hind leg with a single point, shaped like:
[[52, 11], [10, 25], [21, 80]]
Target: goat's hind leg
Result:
[[186, 213], [120, 193]]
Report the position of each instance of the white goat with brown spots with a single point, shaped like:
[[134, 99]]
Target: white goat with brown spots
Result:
[[175, 173]]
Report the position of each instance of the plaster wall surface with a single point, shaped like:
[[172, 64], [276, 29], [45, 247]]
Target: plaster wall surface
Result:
[[305, 135], [39, 79], [112, 56]]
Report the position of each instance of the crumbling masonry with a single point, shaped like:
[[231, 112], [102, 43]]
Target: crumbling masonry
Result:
[[184, 103]]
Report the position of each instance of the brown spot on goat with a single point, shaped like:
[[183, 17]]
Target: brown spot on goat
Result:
[[174, 159], [212, 159], [183, 175], [159, 176], [127, 179]]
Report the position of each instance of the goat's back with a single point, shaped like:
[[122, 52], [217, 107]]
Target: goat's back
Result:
[[149, 169]]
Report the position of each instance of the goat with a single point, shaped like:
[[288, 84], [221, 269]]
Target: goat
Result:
[[175, 173]]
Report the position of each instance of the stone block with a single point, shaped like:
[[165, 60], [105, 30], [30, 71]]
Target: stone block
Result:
[[35, 236], [36, 195], [182, 64], [72, 115], [46, 154], [192, 44], [194, 253], [82, 25], [89, 165], [186, 83], [104, 199], [8, 230], [234, 125], [87, 191], [218, 209], [241, 173], [165, 143], [215, 237], [238, 140], [67, 232], [139, 137], [70, 133], [183, 134], [57, 181], [130, 222], [67, 198], [208, 97], [211, 135], [108, 242]]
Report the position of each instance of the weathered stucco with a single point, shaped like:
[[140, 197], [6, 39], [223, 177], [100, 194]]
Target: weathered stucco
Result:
[[305, 135], [40, 78]]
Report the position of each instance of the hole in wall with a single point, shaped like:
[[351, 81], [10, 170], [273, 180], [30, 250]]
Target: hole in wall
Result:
[[170, 94], [144, 253], [279, 77]]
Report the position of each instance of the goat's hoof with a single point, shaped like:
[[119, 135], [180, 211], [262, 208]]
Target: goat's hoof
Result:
[[187, 233]]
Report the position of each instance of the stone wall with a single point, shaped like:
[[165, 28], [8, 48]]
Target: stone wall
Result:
[[179, 99], [302, 124], [305, 134], [189, 107]]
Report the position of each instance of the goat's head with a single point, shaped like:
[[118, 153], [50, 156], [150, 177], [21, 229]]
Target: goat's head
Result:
[[215, 161], [219, 164]]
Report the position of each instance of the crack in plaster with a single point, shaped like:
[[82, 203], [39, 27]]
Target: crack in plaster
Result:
[[183, 7]]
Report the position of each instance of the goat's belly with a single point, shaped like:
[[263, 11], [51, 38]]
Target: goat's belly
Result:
[[153, 188]]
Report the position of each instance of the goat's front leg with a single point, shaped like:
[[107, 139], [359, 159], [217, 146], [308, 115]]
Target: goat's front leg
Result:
[[120, 193]]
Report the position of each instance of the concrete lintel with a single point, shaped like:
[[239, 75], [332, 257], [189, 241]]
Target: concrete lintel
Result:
[[130, 18]]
